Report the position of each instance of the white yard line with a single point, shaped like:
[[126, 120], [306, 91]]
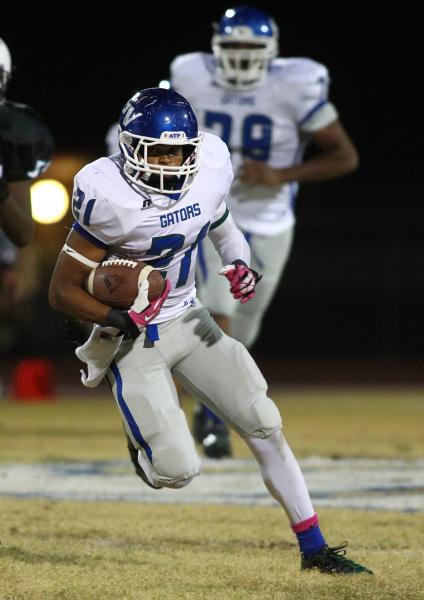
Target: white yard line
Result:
[[348, 483]]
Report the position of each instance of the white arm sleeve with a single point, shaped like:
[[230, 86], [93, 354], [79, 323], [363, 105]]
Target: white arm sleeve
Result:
[[229, 242], [321, 118]]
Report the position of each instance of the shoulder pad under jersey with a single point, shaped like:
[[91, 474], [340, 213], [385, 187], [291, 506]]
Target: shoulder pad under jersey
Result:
[[298, 69], [189, 71], [214, 152]]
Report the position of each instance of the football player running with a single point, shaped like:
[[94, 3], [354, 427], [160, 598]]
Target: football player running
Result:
[[155, 201], [266, 109]]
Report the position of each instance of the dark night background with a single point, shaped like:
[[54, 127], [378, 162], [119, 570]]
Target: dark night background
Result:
[[354, 284]]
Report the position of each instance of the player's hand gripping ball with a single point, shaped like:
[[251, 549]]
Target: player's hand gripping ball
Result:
[[116, 282]]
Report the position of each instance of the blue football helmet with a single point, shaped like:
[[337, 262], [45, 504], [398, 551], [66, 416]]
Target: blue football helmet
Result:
[[244, 43], [159, 116]]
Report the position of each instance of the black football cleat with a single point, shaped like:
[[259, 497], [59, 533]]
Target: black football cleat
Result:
[[133, 451], [217, 443], [214, 437], [334, 561], [200, 421]]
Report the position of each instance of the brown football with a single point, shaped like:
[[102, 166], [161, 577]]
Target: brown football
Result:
[[115, 282]]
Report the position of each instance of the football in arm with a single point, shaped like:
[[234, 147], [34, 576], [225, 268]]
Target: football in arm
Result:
[[115, 282]]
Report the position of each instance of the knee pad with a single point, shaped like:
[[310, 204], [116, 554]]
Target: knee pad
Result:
[[174, 475], [261, 418], [173, 460], [179, 483], [175, 466], [249, 410]]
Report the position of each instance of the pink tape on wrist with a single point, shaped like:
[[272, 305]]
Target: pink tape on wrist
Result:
[[305, 525]]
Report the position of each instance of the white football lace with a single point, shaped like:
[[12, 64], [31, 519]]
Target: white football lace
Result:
[[121, 262]]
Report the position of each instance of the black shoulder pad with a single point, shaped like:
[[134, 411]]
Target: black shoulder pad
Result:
[[26, 145]]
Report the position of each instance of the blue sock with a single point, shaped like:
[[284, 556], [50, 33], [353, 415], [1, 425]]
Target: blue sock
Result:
[[311, 540], [309, 536]]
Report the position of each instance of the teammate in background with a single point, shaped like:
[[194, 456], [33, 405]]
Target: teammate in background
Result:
[[155, 201], [267, 110]]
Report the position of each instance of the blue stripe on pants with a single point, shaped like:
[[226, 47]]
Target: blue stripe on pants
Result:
[[127, 413]]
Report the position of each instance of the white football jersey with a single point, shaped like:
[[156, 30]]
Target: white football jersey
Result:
[[271, 123], [129, 222]]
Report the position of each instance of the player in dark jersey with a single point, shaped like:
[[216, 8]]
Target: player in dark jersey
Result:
[[26, 148]]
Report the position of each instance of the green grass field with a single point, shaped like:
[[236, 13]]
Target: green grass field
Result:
[[336, 423], [114, 551], [102, 550]]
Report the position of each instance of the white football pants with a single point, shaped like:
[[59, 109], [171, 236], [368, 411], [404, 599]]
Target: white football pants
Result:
[[221, 371], [213, 366]]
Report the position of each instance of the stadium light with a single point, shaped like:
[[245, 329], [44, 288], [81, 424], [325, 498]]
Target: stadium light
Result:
[[49, 201], [165, 84]]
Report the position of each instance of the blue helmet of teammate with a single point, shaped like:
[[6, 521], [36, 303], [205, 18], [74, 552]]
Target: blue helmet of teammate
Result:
[[244, 43], [158, 116]]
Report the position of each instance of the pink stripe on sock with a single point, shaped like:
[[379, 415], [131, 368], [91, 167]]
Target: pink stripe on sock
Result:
[[304, 525]]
